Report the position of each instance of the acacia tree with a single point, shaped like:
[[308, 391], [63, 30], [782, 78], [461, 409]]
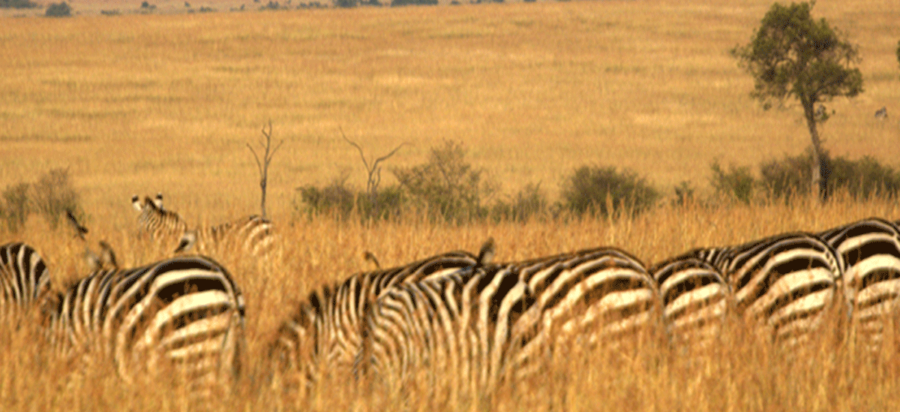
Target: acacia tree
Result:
[[792, 55]]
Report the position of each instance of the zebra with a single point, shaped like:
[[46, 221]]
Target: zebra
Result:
[[871, 282], [881, 113], [155, 220], [184, 313], [492, 322], [323, 332], [251, 235], [24, 278], [786, 283], [695, 298]]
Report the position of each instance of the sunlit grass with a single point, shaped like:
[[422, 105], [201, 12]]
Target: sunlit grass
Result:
[[140, 104]]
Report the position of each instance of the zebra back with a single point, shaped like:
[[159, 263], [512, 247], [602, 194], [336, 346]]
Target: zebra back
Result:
[[24, 277], [252, 235], [786, 283], [871, 282], [485, 324], [184, 315], [324, 332]]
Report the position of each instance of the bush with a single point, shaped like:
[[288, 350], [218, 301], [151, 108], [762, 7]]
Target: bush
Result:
[[397, 3], [17, 4], [526, 204], [602, 190], [53, 195], [684, 193], [336, 199], [737, 183], [15, 209], [447, 185], [862, 179], [58, 10], [346, 3]]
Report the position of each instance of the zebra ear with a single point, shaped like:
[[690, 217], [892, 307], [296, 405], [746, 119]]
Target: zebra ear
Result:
[[158, 201], [136, 202], [486, 255]]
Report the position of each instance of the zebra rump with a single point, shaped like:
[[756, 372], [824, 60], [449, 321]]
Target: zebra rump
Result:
[[184, 314], [871, 282], [695, 299], [324, 333], [492, 323], [24, 277], [786, 283]]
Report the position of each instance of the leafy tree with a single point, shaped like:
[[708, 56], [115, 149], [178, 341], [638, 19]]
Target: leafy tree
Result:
[[792, 55], [58, 10]]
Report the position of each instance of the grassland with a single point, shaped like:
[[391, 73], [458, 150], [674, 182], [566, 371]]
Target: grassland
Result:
[[139, 104]]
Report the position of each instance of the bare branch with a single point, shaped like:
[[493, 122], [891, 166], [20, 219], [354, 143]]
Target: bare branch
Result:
[[258, 165], [361, 155]]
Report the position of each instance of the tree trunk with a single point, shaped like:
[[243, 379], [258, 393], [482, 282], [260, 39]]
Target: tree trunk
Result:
[[819, 182]]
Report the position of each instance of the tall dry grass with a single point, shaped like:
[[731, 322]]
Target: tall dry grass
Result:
[[741, 373], [138, 104]]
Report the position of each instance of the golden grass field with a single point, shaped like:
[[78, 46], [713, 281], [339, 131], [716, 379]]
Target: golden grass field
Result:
[[140, 104]]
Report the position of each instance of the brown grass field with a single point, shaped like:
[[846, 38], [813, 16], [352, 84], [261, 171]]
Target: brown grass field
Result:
[[146, 103]]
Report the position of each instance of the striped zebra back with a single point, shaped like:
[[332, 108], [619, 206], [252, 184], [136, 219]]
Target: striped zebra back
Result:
[[871, 282], [453, 332], [324, 333], [24, 277], [251, 235], [483, 325], [786, 283], [159, 223], [183, 315], [696, 300]]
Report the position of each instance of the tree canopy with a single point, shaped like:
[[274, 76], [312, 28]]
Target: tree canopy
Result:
[[792, 55]]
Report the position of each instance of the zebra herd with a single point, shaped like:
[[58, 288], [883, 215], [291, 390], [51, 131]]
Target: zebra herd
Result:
[[458, 320]]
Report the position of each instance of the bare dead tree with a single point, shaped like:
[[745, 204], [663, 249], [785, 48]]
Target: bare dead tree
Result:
[[263, 165], [373, 171]]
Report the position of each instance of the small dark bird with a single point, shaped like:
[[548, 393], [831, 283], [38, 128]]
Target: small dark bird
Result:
[[486, 254], [80, 231], [107, 257], [370, 257]]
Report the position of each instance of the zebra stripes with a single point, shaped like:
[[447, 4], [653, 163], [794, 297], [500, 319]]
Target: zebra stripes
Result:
[[488, 322], [24, 277], [871, 282], [785, 283], [155, 220], [184, 313], [251, 235], [323, 333], [695, 299]]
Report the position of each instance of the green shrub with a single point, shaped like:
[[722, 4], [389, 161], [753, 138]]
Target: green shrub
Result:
[[447, 186], [16, 208], [53, 195], [397, 3], [862, 179], [18, 4], [526, 204], [684, 193], [58, 10], [334, 199], [603, 190], [737, 183]]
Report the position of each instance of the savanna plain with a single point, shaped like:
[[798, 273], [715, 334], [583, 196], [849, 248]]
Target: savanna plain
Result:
[[137, 104]]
